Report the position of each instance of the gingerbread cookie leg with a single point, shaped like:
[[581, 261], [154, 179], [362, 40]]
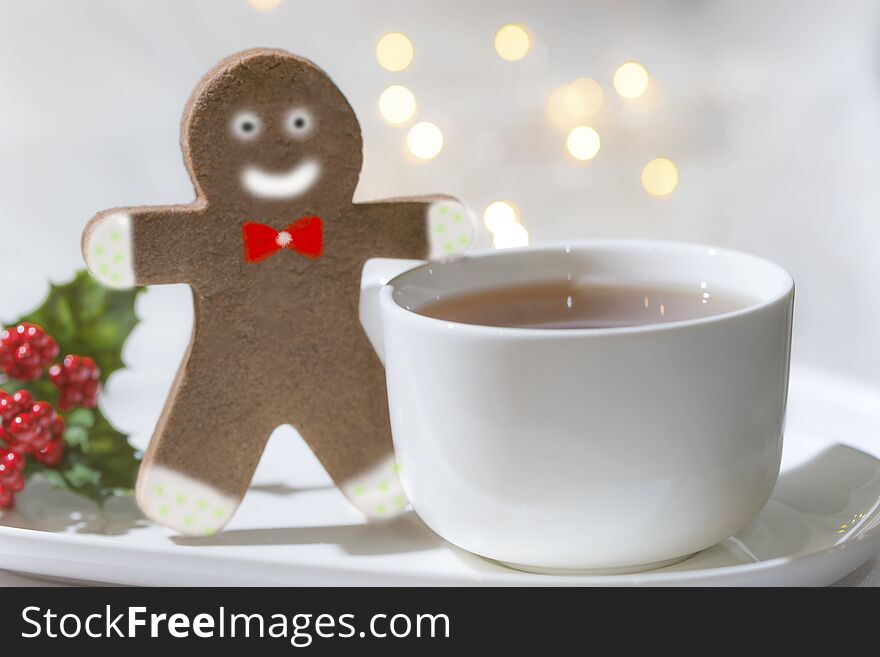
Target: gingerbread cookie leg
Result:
[[341, 411], [373, 486], [369, 478], [204, 451]]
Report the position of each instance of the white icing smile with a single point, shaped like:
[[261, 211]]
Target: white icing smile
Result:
[[281, 185]]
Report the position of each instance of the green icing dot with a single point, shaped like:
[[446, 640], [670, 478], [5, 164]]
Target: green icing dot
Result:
[[202, 504], [117, 257], [399, 501], [115, 278], [99, 249], [207, 531], [447, 246], [163, 510], [457, 217], [180, 499], [380, 509], [189, 520], [439, 228], [464, 241], [383, 486], [359, 490], [103, 269], [159, 489], [219, 513], [398, 467], [115, 236], [442, 209]]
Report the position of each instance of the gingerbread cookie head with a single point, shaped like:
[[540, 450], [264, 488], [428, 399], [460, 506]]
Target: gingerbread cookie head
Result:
[[265, 129]]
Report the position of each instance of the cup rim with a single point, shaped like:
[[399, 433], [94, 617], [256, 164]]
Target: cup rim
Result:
[[389, 303]]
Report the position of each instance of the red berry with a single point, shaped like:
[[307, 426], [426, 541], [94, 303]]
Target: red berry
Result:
[[51, 454], [7, 499], [11, 461], [14, 482], [25, 351], [11, 476], [78, 380], [12, 405], [10, 472], [26, 433], [31, 430]]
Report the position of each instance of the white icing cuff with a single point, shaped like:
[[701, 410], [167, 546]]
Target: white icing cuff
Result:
[[183, 503], [451, 229], [377, 492], [108, 251]]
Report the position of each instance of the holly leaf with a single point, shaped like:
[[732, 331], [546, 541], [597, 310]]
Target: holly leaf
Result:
[[98, 461], [88, 319]]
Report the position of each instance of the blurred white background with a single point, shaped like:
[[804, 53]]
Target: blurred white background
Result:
[[770, 113]]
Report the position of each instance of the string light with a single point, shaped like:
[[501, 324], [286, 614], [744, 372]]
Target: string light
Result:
[[265, 5], [397, 104], [660, 177], [394, 52], [425, 140], [512, 42], [631, 80], [502, 220], [583, 143]]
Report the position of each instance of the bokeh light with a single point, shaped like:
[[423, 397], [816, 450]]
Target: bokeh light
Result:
[[397, 104], [660, 177], [394, 52], [512, 42], [631, 80], [511, 236], [265, 5], [583, 143], [575, 102], [502, 220], [425, 140], [500, 214]]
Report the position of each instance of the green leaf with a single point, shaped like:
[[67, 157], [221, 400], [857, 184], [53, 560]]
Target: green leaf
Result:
[[103, 465], [87, 319]]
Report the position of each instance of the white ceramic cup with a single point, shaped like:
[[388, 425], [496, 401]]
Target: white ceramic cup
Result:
[[572, 450]]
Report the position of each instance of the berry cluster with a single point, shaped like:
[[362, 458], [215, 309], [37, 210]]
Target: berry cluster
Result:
[[26, 351], [77, 379], [31, 428]]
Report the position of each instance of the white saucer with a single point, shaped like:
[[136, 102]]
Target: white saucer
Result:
[[294, 528]]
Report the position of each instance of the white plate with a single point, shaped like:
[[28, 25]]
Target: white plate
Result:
[[294, 528]]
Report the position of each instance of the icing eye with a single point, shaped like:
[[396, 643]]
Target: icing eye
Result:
[[246, 125], [299, 122]]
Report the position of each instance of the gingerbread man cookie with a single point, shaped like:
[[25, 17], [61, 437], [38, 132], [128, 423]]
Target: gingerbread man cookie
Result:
[[273, 248]]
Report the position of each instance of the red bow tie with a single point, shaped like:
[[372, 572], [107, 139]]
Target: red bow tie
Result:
[[305, 236]]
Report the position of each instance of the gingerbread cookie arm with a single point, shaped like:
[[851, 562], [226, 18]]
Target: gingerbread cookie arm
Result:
[[443, 222], [141, 246]]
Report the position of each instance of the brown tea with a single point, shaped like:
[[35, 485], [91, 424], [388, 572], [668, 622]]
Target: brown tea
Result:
[[576, 306]]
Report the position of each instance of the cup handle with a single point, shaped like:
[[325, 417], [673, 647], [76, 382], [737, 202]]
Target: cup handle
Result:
[[375, 274]]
